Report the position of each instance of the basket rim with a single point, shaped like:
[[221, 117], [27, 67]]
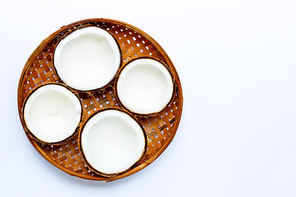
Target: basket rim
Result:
[[178, 89]]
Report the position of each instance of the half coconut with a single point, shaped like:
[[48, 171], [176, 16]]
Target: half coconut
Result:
[[87, 59], [112, 142], [145, 86], [52, 113]]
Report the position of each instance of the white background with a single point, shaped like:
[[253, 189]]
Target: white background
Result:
[[237, 64]]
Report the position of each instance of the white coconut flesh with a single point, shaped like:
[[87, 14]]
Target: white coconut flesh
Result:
[[87, 59], [52, 113], [112, 141], [145, 86]]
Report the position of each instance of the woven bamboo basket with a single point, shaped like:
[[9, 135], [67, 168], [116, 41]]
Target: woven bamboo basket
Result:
[[160, 128]]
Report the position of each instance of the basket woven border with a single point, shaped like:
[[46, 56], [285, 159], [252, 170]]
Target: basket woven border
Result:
[[43, 149]]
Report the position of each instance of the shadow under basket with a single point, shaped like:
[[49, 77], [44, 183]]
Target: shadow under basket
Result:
[[160, 128]]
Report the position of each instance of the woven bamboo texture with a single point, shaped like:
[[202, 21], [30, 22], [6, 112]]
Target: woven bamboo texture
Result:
[[160, 128]]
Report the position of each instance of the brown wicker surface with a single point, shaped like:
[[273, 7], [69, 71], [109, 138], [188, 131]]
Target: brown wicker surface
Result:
[[160, 128]]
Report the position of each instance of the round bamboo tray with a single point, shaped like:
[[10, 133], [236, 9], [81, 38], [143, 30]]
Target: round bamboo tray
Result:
[[160, 128]]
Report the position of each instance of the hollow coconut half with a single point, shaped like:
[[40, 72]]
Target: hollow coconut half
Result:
[[145, 86], [112, 142], [87, 59], [52, 113]]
